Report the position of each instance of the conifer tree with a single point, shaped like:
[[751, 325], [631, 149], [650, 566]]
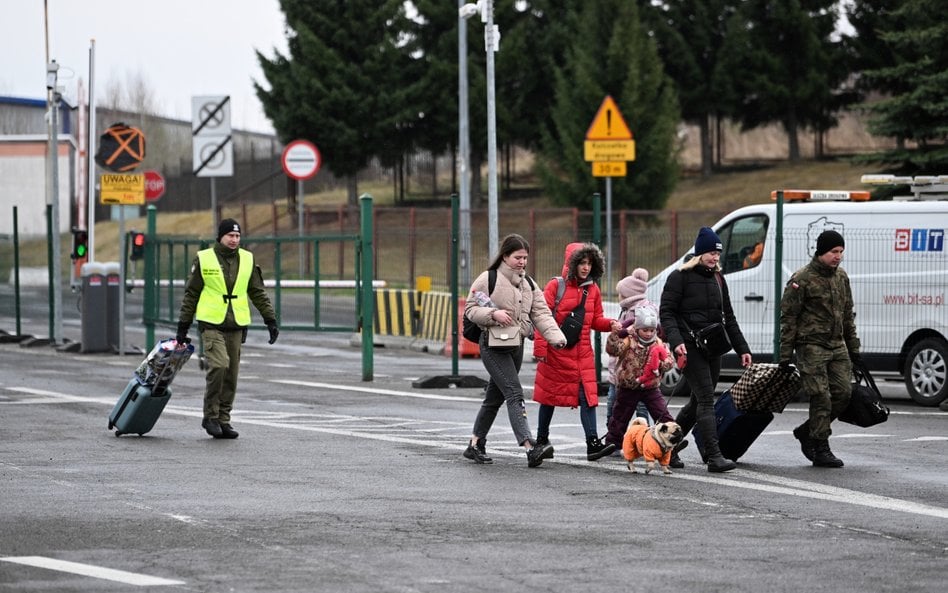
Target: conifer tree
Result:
[[611, 54], [916, 108], [335, 87]]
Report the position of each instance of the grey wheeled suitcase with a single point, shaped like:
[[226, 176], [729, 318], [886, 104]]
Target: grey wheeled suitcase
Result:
[[138, 409], [149, 390]]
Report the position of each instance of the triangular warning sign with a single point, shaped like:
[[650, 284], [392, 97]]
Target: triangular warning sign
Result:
[[608, 123]]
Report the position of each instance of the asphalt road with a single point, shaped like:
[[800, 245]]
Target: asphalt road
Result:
[[341, 485]]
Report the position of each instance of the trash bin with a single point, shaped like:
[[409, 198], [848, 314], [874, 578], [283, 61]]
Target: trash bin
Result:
[[113, 280], [94, 308]]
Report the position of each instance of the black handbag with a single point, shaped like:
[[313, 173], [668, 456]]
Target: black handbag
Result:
[[572, 326], [865, 407], [712, 340]]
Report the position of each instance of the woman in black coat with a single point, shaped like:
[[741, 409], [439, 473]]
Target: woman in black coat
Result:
[[695, 296]]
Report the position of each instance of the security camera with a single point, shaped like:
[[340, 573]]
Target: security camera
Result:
[[468, 10]]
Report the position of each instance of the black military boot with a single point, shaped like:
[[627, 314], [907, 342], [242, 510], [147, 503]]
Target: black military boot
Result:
[[822, 456], [596, 449], [802, 434], [542, 442]]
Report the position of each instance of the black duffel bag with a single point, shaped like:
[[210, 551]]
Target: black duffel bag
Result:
[[865, 407]]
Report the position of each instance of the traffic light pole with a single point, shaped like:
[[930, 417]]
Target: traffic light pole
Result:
[[123, 258]]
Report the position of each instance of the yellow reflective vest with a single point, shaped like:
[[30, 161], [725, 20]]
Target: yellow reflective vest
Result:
[[214, 300]]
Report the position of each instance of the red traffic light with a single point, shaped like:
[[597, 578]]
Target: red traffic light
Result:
[[138, 245]]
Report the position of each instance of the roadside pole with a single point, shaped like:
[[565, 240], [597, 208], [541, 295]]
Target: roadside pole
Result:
[[368, 302]]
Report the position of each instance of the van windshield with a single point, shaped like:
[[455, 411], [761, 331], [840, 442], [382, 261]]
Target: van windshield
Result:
[[743, 241]]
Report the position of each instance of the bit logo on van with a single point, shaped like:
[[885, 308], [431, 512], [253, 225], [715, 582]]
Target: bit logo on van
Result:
[[924, 240]]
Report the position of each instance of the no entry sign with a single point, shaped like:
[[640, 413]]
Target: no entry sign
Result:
[[301, 159]]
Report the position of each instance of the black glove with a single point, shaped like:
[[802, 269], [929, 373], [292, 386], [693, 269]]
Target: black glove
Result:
[[855, 357], [274, 331], [182, 336], [785, 365]]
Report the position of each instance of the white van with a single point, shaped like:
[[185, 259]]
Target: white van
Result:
[[895, 258]]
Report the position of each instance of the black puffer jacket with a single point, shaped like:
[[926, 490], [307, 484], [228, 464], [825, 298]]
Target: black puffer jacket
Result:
[[692, 293]]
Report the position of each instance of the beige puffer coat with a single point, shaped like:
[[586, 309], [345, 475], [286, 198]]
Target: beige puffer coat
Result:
[[521, 298]]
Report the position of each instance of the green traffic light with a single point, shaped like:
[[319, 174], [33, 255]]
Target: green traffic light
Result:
[[81, 250]]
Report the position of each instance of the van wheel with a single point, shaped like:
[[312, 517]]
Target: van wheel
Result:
[[670, 381], [926, 372]]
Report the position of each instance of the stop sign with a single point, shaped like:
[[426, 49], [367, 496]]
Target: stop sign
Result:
[[154, 186]]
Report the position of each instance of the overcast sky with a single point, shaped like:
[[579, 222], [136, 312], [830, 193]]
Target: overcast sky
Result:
[[180, 48]]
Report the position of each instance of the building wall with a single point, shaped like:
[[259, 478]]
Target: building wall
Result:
[[23, 179]]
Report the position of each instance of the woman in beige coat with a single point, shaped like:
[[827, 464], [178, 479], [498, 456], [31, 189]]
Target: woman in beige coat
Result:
[[507, 315]]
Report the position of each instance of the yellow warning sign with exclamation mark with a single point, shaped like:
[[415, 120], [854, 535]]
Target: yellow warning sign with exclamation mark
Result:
[[608, 123]]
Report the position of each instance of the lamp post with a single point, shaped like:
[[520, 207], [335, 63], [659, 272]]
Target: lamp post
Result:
[[491, 45], [464, 152], [52, 199]]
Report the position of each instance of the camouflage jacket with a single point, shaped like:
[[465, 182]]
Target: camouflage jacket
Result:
[[817, 308]]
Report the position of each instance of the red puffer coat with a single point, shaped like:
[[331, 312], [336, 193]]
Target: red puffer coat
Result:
[[560, 374]]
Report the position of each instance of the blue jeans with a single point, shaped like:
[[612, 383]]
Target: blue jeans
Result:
[[503, 366], [587, 416]]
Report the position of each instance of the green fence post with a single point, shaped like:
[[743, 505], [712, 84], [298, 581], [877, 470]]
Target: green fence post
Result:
[[778, 276], [368, 303], [455, 226], [151, 283]]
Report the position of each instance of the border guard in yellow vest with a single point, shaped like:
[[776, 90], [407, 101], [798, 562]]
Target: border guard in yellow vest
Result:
[[223, 282]]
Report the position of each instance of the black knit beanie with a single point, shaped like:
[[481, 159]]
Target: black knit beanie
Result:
[[827, 241], [228, 225]]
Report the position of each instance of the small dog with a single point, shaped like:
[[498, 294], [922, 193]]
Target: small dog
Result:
[[655, 443]]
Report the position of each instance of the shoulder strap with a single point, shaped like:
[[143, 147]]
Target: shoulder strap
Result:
[[491, 281], [560, 291]]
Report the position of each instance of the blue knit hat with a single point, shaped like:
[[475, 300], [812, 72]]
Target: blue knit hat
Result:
[[707, 241]]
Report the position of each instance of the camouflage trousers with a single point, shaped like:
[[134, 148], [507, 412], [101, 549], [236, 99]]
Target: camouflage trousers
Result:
[[222, 353], [826, 378]]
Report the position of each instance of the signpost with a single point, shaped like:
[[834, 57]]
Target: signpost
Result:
[[211, 147], [154, 186], [124, 189], [301, 160], [608, 146]]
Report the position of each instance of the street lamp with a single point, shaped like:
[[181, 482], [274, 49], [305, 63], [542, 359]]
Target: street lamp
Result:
[[491, 45], [52, 201]]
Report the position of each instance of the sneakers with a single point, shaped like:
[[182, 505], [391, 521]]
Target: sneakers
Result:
[[802, 434], [477, 454], [228, 432], [213, 427], [536, 455], [596, 449], [541, 441]]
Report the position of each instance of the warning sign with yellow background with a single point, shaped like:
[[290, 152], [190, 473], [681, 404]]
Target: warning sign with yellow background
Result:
[[609, 144], [122, 189]]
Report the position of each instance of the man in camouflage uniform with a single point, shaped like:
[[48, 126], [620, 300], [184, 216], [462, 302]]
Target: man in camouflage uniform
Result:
[[817, 320], [223, 279]]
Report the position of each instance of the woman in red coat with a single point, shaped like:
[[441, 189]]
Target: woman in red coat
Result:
[[567, 377]]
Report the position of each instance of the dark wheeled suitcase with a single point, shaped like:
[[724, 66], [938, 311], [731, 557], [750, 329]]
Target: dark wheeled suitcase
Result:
[[138, 408], [737, 430], [149, 390]]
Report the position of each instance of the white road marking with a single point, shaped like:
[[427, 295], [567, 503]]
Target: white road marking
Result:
[[751, 479], [89, 570]]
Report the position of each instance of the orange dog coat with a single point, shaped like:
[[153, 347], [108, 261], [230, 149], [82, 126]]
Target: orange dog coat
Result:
[[639, 442]]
